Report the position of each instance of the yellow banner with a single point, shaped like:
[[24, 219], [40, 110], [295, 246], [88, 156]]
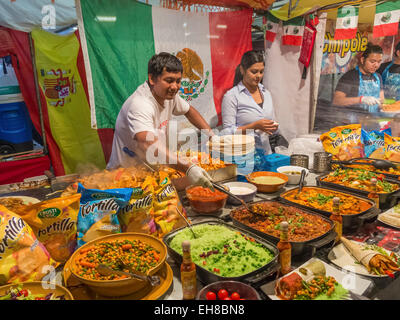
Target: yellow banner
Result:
[[67, 105]]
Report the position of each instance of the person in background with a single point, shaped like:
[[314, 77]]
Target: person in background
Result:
[[144, 116], [361, 89], [390, 72], [248, 105]]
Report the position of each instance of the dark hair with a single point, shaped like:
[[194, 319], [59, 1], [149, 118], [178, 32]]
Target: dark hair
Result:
[[397, 48], [158, 62], [372, 48], [248, 59]]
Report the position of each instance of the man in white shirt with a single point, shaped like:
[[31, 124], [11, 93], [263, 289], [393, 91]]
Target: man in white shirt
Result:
[[142, 122]]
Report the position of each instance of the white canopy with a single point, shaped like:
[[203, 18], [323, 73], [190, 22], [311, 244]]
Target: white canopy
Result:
[[25, 15]]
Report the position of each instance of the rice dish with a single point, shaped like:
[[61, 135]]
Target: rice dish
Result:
[[223, 251]]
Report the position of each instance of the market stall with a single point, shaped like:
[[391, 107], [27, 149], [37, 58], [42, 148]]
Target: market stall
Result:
[[153, 222]]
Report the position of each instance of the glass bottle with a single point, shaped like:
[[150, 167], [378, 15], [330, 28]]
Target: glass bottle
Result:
[[188, 273], [337, 218], [285, 249], [373, 195]]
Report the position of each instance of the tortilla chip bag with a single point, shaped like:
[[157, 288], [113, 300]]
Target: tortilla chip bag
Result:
[[152, 211], [22, 256], [54, 222], [136, 216], [166, 206], [97, 215], [344, 142], [374, 143], [392, 148]]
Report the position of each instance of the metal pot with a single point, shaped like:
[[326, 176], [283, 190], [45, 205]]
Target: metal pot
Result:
[[386, 200], [350, 222], [298, 248], [207, 277]]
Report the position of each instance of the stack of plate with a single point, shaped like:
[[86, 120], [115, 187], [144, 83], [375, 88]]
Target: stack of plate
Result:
[[237, 149]]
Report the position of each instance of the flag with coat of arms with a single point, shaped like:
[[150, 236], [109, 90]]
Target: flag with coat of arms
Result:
[[271, 27], [293, 31], [346, 22], [386, 22]]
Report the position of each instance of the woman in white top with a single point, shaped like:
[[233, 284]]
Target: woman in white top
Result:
[[247, 107]]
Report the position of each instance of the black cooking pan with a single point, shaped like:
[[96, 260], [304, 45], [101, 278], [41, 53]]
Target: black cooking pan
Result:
[[350, 222], [299, 248], [386, 200], [388, 175], [206, 276]]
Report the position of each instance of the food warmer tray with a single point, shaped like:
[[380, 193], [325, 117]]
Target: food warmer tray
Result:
[[350, 222], [207, 277], [298, 248], [387, 175], [386, 200]]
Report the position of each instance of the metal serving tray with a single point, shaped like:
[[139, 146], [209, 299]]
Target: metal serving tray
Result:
[[350, 222], [207, 277], [298, 248], [386, 200]]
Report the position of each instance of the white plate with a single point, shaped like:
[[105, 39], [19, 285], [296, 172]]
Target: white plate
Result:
[[386, 223], [25, 199], [342, 257], [349, 281]]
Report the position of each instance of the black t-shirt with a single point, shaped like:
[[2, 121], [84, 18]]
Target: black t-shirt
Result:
[[395, 68], [350, 82]]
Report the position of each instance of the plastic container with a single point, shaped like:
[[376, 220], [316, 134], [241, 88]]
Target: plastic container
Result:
[[212, 202], [243, 190], [275, 160], [15, 124], [293, 173]]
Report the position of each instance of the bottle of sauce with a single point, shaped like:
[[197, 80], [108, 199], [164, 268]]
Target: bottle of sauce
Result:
[[188, 273], [337, 218], [373, 195], [285, 250]]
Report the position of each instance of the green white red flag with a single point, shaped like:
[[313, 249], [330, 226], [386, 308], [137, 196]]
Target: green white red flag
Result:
[[293, 31], [387, 17], [346, 23], [271, 27]]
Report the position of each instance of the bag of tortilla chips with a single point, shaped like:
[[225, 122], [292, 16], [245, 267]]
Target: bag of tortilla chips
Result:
[[97, 215], [22, 256], [344, 142], [153, 211], [374, 143], [392, 148], [54, 222]]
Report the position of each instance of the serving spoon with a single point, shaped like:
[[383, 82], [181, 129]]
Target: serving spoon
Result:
[[301, 183], [106, 271], [187, 222]]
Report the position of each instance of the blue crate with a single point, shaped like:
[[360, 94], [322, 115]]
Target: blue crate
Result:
[[275, 160]]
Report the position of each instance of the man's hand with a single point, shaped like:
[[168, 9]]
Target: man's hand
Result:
[[370, 101], [199, 176]]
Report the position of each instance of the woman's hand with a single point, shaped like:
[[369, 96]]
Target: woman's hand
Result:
[[267, 126]]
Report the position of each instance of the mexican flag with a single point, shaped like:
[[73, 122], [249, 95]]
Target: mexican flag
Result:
[[386, 21], [119, 37], [293, 31], [346, 23], [271, 27]]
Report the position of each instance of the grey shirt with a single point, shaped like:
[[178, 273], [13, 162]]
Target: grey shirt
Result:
[[239, 109]]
